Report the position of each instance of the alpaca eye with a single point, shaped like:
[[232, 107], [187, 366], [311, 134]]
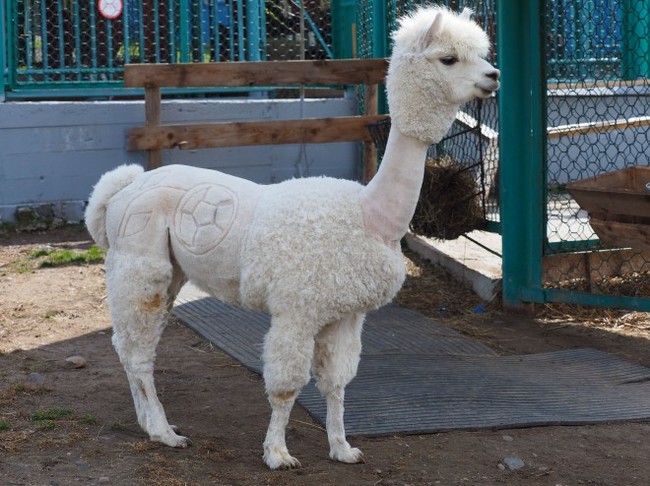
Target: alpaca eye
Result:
[[449, 60]]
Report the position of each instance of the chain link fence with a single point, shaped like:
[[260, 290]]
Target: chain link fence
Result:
[[59, 44], [598, 107]]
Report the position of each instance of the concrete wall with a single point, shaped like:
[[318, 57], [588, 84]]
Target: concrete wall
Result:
[[52, 153]]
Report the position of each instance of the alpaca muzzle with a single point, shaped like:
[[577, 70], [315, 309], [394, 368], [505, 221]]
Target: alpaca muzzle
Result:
[[490, 83]]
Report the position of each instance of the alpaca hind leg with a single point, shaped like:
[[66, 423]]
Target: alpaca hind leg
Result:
[[288, 351], [337, 351], [138, 298]]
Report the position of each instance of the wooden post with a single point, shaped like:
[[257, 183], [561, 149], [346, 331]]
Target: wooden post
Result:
[[152, 111], [370, 148]]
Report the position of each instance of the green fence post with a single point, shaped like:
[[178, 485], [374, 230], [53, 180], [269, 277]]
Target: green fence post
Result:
[[380, 43], [4, 21], [522, 127], [253, 41], [379, 23], [635, 33], [184, 19], [344, 21]]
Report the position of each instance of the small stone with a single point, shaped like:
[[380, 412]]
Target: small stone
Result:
[[76, 361], [104, 479], [513, 463], [35, 379], [507, 438]]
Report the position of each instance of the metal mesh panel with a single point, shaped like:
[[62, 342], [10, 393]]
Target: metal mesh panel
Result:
[[68, 44], [598, 102]]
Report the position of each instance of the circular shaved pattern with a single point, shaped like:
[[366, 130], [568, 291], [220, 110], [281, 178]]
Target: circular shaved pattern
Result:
[[204, 217]]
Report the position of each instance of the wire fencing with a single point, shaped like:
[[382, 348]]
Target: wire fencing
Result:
[[60, 44]]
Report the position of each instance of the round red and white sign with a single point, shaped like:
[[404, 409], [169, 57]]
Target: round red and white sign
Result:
[[110, 9]]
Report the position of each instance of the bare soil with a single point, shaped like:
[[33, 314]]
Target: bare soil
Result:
[[62, 425]]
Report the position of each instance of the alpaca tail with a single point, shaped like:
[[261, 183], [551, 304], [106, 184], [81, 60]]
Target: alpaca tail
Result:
[[108, 185]]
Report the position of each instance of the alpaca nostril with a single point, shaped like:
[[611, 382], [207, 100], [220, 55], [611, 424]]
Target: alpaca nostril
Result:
[[494, 75]]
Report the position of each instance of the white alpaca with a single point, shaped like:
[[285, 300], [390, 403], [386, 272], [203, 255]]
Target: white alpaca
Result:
[[315, 253]]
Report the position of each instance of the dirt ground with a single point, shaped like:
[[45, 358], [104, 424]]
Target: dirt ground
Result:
[[62, 425]]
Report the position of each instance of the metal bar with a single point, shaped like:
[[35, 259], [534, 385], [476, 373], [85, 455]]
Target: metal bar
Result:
[[263, 29], [241, 40], [156, 30], [184, 21], [171, 20], [4, 67], [141, 46], [635, 39], [93, 38], [379, 36], [231, 37], [77, 38], [343, 22], [522, 148], [61, 33], [126, 34], [252, 30], [641, 304]]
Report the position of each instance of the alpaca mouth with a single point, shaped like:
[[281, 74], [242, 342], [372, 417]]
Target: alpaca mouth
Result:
[[486, 92]]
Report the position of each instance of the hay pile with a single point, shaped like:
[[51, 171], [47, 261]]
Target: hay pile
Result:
[[449, 204]]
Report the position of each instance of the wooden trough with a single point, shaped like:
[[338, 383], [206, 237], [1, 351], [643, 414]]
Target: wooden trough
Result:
[[618, 204]]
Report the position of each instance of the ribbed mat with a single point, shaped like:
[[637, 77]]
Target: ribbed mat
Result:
[[417, 376]]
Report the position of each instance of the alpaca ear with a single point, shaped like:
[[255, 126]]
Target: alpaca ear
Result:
[[433, 33], [466, 14]]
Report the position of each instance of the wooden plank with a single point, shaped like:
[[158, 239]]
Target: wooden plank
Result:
[[370, 147], [626, 235], [609, 84], [152, 115], [488, 134], [233, 134], [597, 127], [594, 265], [262, 73]]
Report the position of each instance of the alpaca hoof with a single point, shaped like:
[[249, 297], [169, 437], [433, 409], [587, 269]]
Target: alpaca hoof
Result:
[[280, 459], [173, 440], [349, 455]]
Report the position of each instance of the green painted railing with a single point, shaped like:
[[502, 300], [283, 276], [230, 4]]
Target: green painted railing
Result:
[[64, 46]]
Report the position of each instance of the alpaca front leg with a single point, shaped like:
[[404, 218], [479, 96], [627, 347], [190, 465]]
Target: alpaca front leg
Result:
[[288, 351], [276, 454], [338, 347]]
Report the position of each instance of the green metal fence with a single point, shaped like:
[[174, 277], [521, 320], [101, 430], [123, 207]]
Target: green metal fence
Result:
[[593, 121], [574, 103], [59, 47]]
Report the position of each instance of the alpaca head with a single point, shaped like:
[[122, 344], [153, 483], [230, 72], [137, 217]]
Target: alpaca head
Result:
[[438, 63]]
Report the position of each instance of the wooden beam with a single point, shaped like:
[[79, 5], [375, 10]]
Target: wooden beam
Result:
[[152, 114], [233, 134], [370, 147], [597, 127], [260, 74], [609, 84]]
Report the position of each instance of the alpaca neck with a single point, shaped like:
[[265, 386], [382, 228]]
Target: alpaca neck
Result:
[[388, 201]]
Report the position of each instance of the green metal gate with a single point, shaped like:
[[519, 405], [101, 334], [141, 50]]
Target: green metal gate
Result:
[[567, 66], [564, 122]]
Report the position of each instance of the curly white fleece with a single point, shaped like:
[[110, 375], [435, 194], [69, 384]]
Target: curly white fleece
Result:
[[307, 252]]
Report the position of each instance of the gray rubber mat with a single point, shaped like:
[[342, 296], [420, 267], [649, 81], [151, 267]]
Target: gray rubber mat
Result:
[[417, 376]]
